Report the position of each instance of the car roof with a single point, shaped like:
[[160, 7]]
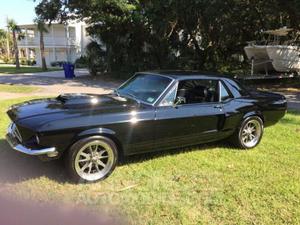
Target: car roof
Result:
[[184, 74]]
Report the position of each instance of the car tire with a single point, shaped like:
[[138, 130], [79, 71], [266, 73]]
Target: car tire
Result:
[[91, 159], [249, 133]]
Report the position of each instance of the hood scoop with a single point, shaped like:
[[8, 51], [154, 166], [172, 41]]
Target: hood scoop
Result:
[[64, 98], [81, 100]]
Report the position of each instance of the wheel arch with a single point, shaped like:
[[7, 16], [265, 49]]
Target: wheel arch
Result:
[[254, 113], [108, 133]]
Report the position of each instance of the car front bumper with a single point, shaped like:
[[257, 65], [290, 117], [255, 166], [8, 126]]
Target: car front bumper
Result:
[[16, 145]]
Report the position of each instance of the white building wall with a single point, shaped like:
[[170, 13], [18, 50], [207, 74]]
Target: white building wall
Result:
[[62, 43]]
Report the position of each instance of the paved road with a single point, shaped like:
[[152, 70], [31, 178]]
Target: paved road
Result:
[[53, 83], [293, 99], [55, 74]]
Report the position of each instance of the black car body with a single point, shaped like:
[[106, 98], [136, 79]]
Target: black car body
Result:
[[191, 109]]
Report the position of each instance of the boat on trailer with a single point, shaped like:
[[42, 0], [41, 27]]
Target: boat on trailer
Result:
[[285, 58], [277, 55], [259, 57]]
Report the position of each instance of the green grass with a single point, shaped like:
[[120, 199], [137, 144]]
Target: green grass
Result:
[[11, 69], [211, 184], [17, 88]]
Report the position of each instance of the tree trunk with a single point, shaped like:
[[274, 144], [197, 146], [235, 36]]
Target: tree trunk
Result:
[[42, 49], [7, 45], [16, 50]]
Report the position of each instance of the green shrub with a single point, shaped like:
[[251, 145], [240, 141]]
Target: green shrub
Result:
[[23, 61], [5, 59], [12, 61], [81, 62], [30, 62], [95, 58], [57, 63]]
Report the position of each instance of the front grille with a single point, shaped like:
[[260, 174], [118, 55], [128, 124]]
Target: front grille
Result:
[[15, 132]]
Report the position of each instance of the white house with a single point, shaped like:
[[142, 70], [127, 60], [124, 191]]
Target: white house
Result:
[[62, 42]]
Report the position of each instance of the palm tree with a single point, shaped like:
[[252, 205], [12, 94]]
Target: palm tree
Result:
[[16, 32], [42, 29], [2, 41]]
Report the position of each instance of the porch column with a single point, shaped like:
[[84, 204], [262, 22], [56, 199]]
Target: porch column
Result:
[[26, 44], [53, 44], [67, 35], [27, 53]]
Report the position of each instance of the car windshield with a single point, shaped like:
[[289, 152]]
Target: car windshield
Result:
[[145, 87]]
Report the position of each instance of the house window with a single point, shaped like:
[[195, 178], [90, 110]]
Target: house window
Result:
[[30, 33]]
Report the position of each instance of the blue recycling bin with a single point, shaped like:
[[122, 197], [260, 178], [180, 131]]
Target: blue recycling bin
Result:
[[69, 70]]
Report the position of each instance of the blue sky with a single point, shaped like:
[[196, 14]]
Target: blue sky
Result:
[[20, 10]]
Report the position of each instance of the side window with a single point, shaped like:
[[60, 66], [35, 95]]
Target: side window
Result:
[[236, 88], [170, 97], [198, 91], [224, 95]]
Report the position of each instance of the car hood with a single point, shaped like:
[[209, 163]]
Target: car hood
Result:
[[69, 105]]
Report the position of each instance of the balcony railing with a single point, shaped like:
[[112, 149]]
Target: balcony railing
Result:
[[48, 41]]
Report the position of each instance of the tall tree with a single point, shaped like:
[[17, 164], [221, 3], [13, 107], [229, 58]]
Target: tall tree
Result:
[[189, 34], [41, 26], [16, 33], [3, 36]]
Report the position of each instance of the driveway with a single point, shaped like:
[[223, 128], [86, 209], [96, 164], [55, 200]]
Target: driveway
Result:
[[293, 99], [54, 83]]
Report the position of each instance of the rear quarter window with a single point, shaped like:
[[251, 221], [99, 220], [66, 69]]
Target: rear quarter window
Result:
[[236, 88]]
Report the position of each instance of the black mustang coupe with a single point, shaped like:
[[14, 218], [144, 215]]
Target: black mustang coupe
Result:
[[151, 111]]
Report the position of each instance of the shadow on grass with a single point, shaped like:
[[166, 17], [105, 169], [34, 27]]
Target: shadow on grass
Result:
[[294, 112], [16, 167], [291, 120], [176, 151]]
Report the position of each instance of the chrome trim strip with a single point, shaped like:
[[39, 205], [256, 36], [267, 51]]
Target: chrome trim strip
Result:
[[163, 92], [20, 148], [156, 74], [219, 83], [175, 86]]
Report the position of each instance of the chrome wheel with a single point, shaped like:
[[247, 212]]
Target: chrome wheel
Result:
[[94, 160], [251, 133]]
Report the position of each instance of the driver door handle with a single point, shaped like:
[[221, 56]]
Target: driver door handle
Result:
[[218, 107]]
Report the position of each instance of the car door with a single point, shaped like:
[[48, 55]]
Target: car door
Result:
[[187, 124], [136, 132]]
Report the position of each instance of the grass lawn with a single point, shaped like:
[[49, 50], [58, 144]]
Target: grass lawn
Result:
[[17, 88], [11, 69], [211, 184]]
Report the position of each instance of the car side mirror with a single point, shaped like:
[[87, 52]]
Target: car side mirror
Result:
[[179, 100]]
